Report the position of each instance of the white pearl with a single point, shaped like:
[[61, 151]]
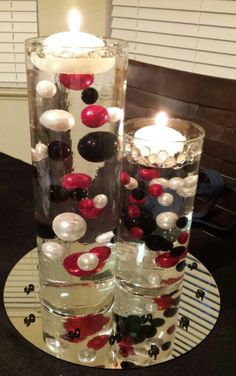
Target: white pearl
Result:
[[41, 150], [57, 120], [69, 226], [132, 184], [161, 181], [187, 192], [154, 279], [88, 261], [166, 220], [190, 181], [100, 201], [176, 183], [87, 355], [115, 113], [105, 237], [53, 250], [46, 89], [166, 199]]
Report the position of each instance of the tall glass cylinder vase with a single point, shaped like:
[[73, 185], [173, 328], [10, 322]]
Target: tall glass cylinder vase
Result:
[[158, 177], [76, 111]]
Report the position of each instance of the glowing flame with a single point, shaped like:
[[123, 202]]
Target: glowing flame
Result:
[[74, 20], [161, 119]]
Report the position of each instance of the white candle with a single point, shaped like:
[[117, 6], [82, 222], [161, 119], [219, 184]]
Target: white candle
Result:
[[158, 137], [67, 52]]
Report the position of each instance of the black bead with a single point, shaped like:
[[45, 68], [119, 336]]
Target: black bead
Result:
[[149, 331], [112, 340], [89, 96], [149, 317], [166, 346], [97, 146], [177, 251], [180, 267], [170, 312], [58, 150], [58, 194], [138, 194], [158, 243], [158, 322], [78, 193], [126, 365], [182, 222]]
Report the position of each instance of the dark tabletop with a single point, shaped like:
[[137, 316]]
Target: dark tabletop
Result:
[[214, 356]]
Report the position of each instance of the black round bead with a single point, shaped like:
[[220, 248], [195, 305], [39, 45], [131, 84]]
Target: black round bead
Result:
[[126, 365], [112, 340], [97, 146], [89, 95], [158, 322], [170, 312], [149, 317], [59, 150], [58, 194], [177, 251], [138, 193], [180, 266], [166, 346], [182, 222], [158, 243], [78, 193]]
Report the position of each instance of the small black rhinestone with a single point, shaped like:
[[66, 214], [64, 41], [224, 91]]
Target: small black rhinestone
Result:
[[138, 194], [112, 340], [180, 267], [182, 222], [89, 96]]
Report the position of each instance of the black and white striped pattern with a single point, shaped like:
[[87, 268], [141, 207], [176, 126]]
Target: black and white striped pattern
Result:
[[202, 314]]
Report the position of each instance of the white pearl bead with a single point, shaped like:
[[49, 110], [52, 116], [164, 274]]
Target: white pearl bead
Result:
[[69, 226], [187, 192], [88, 261], [57, 120], [46, 89], [41, 150], [132, 184], [100, 201], [154, 279], [166, 199], [176, 183], [105, 237], [166, 220], [115, 113], [161, 181], [54, 251], [190, 181], [87, 355]]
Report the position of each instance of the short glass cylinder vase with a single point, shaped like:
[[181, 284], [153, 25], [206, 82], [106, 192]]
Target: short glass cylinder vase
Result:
[[159, 175], [76, 110]]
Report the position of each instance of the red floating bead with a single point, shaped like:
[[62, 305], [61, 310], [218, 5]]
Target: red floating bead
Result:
[[71, 266], [149, 174], [166, 260], [88, 210], [75, 180], [98, 342], [183, 237], [171, 329], [155, 190], [101, 252], [94, 116], [124, 178], [133, 211], [136, 232], [164, 302], [132, 200], [76, 81]]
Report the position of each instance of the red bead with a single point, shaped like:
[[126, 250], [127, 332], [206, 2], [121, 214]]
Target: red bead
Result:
[[124, 178], [101, 252], [133, 211], [166, 260], [171, 329], [163, 302], [183, 237], [136, 232], [98, 342], [71, 266], [76, 81], [149, 174], [94, 116], [132, 200], [155, 190], [88, 210], [75, 180]]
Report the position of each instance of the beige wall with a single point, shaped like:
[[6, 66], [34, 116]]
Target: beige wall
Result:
[[14, 128]]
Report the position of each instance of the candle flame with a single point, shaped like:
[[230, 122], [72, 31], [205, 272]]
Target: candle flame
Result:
[[74, 20], [161, 119]]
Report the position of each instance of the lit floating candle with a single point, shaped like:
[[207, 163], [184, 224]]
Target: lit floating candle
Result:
[[159, 137], [73, 51]]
